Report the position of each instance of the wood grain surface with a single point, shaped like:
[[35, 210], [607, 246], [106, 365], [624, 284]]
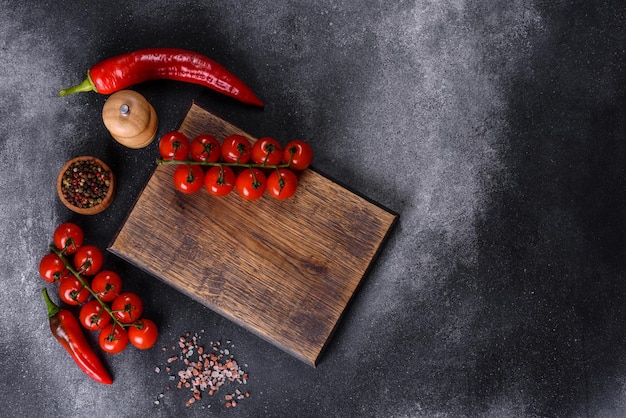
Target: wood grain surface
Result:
[[285, 270]]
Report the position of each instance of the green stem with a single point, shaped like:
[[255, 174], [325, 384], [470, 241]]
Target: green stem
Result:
[[221, 164], [86, 85], [281, 182], [292, 151], [255, 182], [72, 270], [52, 308]]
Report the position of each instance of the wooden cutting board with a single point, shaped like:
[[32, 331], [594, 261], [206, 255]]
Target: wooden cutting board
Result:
[[285, 270]]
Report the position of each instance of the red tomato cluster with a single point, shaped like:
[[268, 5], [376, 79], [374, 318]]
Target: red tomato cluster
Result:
[[262, 166], [104, 306]]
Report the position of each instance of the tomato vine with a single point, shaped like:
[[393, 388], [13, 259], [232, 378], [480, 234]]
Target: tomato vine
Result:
[[252, 161]]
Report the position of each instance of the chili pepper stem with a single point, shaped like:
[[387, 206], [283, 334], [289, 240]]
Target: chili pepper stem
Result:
[[86, 85], [52, 308]]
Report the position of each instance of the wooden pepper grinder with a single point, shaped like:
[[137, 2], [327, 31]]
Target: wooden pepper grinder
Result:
[[130, 119]]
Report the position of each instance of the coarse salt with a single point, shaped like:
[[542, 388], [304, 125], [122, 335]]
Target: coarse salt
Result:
[[206, 370]]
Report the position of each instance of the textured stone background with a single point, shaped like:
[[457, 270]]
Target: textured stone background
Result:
[[494, 128]]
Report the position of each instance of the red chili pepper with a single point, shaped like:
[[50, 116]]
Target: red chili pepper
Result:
[[119, 72], [67, 330]]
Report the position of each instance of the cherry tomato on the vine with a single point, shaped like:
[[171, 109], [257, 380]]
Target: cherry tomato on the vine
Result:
[[174, 146], [205, 148], [298, 154], [220, 180], [127, 307], [68, 237], [251, 184], [236, 149], [72, 291], [282, 183], [188, 178], [88, 260], [267, 151], [92, 316], [113, 338], [51, 268], [107, 285], [143, 334]]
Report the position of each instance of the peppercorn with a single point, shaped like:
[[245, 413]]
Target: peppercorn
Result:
[[85, 184]]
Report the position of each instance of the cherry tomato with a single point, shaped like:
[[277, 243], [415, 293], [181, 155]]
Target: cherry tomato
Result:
[[107, 285], [72, 291], [188, 178], [205, 148], [267, 151], [282, 183], [220, 180], [174, 146], [68, 237], [236, 148], [88, 260], [127, 307], [143, 334], [251, 184], [298, 154], [113, 338], [92, 316], [51, 268]]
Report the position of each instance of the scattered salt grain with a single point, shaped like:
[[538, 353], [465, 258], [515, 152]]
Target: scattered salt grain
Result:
[[205, 371]]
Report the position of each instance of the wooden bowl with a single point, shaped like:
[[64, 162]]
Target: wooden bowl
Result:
[[101, 202]]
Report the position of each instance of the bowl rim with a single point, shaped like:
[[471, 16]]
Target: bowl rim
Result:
[[108, 198]]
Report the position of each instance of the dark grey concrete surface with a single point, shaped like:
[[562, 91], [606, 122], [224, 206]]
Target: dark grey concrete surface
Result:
[[494, 128]]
